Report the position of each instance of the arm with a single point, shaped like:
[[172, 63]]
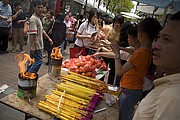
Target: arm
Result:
[[21, 21], [106, 40], [3, 17], [17, 13], [49, 39], [79, 35], [80, 32], [120, 70], [104, 54], [32, 39]]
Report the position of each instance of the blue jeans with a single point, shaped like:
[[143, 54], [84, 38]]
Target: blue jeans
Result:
[[62, 46], [37, 55], [128, 99]]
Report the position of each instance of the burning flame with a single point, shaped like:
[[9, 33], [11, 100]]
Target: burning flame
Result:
[[56, 53], [22, 59]]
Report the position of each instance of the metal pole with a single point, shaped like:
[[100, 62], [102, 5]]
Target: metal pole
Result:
[[12, 6], [99, 3], [85, 7], [164, 17]]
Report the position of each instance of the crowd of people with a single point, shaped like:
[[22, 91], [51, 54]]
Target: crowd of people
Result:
[[143, 58]]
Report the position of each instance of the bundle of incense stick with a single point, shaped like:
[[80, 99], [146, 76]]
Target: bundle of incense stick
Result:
[[89, 82], [74, 98]]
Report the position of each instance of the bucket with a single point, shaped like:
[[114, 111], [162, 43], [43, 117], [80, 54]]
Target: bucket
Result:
[[27, 88], [55, 68], [70, 36]]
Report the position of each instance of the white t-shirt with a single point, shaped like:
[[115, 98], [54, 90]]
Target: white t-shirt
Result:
[[124, 55], [85, 29], [68, 25]]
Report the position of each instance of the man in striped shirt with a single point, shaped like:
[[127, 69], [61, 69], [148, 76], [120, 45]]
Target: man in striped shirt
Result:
[[35, 37]]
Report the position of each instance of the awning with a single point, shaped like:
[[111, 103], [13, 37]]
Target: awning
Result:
[[79, 1], [149, 9], [130, 15], [162, 3]]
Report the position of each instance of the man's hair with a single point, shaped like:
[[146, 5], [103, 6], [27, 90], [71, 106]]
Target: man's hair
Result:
[[119, 18], [176, 16], [37, 2], [150, 26], [16, 4], [92, 13]]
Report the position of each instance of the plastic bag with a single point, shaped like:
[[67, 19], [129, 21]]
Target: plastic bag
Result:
[[109, 99]]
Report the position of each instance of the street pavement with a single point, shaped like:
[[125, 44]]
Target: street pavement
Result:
[[9, 70]]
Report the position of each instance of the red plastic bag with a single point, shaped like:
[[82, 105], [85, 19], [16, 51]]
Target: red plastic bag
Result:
[[77, 51]]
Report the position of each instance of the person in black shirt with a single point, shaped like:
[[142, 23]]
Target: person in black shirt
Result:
[[58, 33]]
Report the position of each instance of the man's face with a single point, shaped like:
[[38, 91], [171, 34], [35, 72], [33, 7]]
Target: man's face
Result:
[[38, 10], [166, 50], [44, 10]]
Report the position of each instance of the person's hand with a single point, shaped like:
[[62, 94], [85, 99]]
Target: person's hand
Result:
[[88, 36], [106, 42], [19, 21], [19, 11], [9, 20], [96, 21], [115, 48], [97, 55], [32, 48], [4, 18]]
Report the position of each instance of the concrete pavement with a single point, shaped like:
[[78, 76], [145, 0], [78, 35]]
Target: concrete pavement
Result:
[[9, 68]]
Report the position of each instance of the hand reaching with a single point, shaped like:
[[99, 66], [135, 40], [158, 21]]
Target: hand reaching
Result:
[[115, 47]]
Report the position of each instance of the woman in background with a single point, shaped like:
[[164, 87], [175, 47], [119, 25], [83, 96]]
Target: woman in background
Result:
[[85, 31], [113, 35]]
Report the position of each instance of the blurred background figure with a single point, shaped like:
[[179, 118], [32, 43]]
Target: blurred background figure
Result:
[[18, 20], [58, 36], [47, 23], [86, 29], [44, 11], [26, 6], [69, 30], [5, 25]]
